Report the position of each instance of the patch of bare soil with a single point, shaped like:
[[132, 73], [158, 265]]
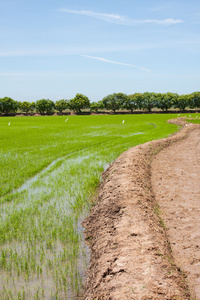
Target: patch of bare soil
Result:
[[176, 184], [131, 252]]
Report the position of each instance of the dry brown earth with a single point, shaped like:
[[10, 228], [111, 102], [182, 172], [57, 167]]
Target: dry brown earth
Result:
[[131, 249], [176, 184]]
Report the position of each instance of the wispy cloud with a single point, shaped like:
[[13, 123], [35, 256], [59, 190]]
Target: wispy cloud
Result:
[[115, 62], [102, 16], [119, 19], [168, 21]]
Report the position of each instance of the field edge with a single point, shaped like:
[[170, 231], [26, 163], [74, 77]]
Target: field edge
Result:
[[121, 250]]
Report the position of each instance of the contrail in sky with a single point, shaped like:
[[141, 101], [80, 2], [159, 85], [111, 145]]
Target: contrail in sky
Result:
[[115, 62]]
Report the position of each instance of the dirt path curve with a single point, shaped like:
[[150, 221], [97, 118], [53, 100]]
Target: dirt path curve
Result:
[[131, 256], [176, 184]]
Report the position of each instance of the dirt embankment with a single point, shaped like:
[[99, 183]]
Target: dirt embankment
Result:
[[131, 253]]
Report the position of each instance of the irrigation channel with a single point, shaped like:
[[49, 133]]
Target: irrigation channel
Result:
[[43, 253]]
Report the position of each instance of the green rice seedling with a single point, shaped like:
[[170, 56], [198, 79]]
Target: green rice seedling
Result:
[[50, 170], [195, 118]]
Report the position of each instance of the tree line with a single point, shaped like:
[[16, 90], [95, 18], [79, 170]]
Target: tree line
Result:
[[113, 102]]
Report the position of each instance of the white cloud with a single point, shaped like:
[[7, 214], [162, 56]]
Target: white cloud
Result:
[[118, 19], [115, 62], [160, 22], [101, 16]]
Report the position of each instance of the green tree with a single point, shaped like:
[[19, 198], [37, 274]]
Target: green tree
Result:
[[25, 106], [45, 105], [79, 102], [114, 101], [8, 105], [165, 101], [132, 101], [61, 105], [139, 100], [95, 106], [149, 101], [194, 100], [32, 106], [181, 102]]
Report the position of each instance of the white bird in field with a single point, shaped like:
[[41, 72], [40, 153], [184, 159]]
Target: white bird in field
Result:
[[9, 124], [123, 122], [66, 120]]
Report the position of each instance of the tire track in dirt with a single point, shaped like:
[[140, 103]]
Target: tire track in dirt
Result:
[[131, 254]]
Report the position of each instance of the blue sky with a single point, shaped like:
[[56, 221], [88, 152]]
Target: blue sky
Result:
[[54, 49]]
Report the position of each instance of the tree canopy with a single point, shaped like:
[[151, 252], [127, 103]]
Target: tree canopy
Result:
[[61, 105], [26, 106], [96, 106], [45, 105], [8, 105], [133, 102], [165, 101], [113, 102], [79, 102]]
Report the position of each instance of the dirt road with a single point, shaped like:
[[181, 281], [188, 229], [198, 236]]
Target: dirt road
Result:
[[136, 252], [176, 184]]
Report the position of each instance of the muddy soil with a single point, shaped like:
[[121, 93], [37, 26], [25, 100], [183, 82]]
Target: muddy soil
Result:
[[136, 252]]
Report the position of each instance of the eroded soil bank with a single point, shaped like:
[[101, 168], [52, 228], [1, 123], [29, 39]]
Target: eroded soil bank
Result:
[[131, 249]]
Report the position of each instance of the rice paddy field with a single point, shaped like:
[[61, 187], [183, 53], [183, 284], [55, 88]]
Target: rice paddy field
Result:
[[50, 168]]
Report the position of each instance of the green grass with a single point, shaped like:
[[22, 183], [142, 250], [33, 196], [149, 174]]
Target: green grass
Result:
[[50, 167], [193, 118]]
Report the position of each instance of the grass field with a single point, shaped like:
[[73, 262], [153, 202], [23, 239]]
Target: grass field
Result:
[[50, 168]]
